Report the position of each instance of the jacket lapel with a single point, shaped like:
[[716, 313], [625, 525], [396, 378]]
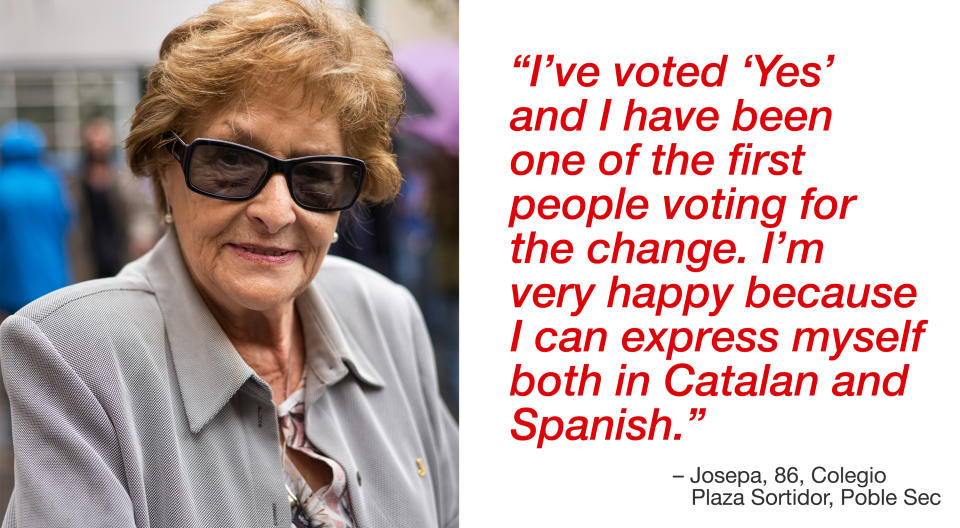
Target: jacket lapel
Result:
[[209, 369]]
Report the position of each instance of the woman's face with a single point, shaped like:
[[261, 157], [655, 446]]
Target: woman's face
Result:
[[258, 254]]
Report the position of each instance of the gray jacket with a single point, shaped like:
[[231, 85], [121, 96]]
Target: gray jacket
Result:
[[130, 407]]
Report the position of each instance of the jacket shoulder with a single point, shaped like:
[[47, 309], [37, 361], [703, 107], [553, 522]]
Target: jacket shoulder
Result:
[[89, 335], [345, 282], [380, 315], [90, 300], [89, 322]]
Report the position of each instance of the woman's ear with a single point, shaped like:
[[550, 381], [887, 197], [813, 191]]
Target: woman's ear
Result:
[[165, 178], [162, 187], [161, 175]]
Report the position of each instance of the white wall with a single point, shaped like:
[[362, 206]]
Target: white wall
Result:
[[43, 32], [98, 31]]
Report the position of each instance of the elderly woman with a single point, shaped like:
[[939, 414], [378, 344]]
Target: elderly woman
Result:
[[235, 375]]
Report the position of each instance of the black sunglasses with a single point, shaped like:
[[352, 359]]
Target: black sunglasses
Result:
[[228, 171]]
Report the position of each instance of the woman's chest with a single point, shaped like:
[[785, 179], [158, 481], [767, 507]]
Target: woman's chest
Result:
[[230, 472]]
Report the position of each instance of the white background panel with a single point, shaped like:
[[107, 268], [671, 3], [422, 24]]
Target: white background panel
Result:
[[892, 142]]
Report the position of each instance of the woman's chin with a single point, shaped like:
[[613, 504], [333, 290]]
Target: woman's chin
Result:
[[259, 293]]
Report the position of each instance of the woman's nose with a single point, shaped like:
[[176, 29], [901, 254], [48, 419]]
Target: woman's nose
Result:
[[273, 207]]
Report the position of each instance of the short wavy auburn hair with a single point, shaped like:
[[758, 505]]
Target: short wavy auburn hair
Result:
[[244, 48]]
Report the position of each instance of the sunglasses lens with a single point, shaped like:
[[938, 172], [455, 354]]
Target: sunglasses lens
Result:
[[226, 171], [328, 185]]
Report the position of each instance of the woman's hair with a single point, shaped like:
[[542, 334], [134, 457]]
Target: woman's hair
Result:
[[241, 48]]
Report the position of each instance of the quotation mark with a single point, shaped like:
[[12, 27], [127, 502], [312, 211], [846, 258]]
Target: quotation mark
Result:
[[697, 413], [522, 61]]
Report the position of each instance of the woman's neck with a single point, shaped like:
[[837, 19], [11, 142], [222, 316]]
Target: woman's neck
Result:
[[271, 342]]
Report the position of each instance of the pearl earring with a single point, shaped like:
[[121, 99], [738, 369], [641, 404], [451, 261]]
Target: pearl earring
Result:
[[168, 218], [336, 236]]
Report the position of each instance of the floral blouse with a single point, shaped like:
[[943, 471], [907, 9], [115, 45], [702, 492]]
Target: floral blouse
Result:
[[327, 507]]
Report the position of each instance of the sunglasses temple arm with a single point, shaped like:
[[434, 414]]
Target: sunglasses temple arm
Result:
[[177, 148]]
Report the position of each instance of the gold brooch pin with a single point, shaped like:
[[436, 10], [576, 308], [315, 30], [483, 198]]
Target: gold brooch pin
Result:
[[421, 469]]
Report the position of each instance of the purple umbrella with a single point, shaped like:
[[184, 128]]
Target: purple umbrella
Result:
[[431, 75]]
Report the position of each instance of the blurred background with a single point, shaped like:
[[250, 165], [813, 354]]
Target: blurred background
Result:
[[72, 72]]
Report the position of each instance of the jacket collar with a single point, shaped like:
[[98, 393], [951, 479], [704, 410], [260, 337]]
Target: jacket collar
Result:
[[209, 369]]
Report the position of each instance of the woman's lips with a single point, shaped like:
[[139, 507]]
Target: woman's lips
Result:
[[263, 255]]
